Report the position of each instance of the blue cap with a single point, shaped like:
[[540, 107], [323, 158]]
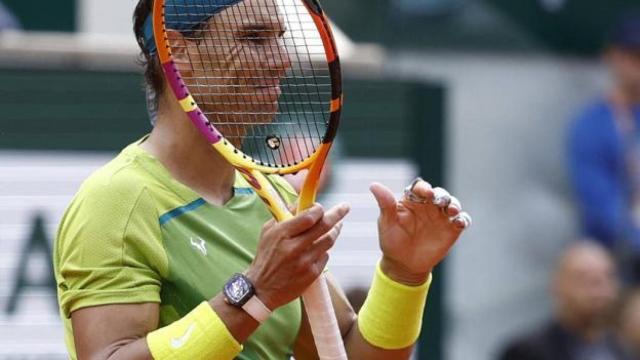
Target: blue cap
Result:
[[184, 16], [626, 33]]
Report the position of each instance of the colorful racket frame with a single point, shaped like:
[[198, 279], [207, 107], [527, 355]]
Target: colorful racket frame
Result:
[[250, 168], [317, 299]]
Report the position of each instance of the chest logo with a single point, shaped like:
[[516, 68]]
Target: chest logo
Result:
[[179, 342], [199, 245]]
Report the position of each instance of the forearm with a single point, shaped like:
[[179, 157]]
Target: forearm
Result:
[[128, 350], [237, 322]]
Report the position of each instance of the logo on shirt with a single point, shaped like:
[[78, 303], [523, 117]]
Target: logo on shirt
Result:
[[179, 342], [199, 245]]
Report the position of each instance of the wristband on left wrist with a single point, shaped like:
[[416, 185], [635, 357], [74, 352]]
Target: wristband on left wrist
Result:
[[391, 317]]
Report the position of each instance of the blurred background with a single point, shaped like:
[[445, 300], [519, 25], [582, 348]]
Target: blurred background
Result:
[[477, 96]]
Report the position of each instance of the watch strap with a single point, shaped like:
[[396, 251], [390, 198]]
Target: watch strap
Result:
[[257, 309]]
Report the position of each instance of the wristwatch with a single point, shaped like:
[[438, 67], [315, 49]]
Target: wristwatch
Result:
[[239, 292]]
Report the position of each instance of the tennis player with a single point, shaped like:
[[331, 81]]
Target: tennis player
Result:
[[167, 253]]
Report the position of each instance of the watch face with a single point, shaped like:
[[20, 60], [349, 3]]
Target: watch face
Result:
[[238, 290]]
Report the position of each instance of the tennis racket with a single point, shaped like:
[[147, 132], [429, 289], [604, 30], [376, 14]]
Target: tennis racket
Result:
[[260, 79]]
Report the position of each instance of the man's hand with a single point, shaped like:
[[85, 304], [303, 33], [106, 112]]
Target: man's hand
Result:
[[292, 254], [417, 231]]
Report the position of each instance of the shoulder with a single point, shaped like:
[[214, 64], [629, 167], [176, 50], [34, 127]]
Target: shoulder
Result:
[[116, 187], [112, 222], [111, 202]]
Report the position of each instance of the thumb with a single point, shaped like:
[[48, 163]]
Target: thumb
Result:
[[386, 201]]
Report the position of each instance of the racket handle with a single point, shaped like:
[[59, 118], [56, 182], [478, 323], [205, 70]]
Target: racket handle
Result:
[[322, 318]]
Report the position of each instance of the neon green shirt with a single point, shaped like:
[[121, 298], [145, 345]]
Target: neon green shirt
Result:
[[134, 234]]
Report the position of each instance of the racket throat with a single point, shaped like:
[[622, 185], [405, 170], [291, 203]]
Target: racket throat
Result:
[[267, 192], [309, 189]]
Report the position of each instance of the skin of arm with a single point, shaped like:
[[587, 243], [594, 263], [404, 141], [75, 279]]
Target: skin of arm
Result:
[[123, 328]]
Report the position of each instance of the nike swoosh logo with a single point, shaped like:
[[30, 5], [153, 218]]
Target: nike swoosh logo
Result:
[[179, 342]]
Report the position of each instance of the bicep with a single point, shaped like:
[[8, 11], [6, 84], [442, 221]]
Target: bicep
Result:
[[114, 331], [304, 348]]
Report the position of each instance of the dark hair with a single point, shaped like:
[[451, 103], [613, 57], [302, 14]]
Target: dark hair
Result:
[[151, 63]]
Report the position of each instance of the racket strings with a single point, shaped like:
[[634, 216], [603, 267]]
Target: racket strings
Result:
[[258, 71], [256, 131]]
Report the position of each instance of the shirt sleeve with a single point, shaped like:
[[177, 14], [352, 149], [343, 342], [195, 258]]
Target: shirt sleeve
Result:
[[594, 167], [109, 249]]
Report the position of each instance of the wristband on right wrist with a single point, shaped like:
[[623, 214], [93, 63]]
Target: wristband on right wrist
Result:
[[201, 334], [391, 317]]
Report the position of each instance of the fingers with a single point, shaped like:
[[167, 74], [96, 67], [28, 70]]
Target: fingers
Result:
[[318, 267], [385, 198], [454, 207], [448, 203], [441, 198], [302, 222], [462, 221], [423, 191], [329, 222], [314, 256], [313, 260], [420, 195], [323, 244]]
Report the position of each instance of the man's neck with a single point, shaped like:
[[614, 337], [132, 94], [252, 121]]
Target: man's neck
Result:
[[176, 143]]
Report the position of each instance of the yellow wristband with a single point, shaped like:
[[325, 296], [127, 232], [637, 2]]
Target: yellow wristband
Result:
[[391, 317], [201, 334]]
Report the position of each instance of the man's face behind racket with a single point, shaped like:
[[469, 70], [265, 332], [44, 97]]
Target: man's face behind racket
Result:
[[258, 71], [233, 64]]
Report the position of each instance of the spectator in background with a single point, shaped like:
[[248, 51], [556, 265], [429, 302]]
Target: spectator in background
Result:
[[585, 289], [629, 324], [604, 153], [7, 20]]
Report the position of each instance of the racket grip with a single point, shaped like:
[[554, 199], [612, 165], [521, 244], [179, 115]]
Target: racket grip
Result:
[[323, 321]]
